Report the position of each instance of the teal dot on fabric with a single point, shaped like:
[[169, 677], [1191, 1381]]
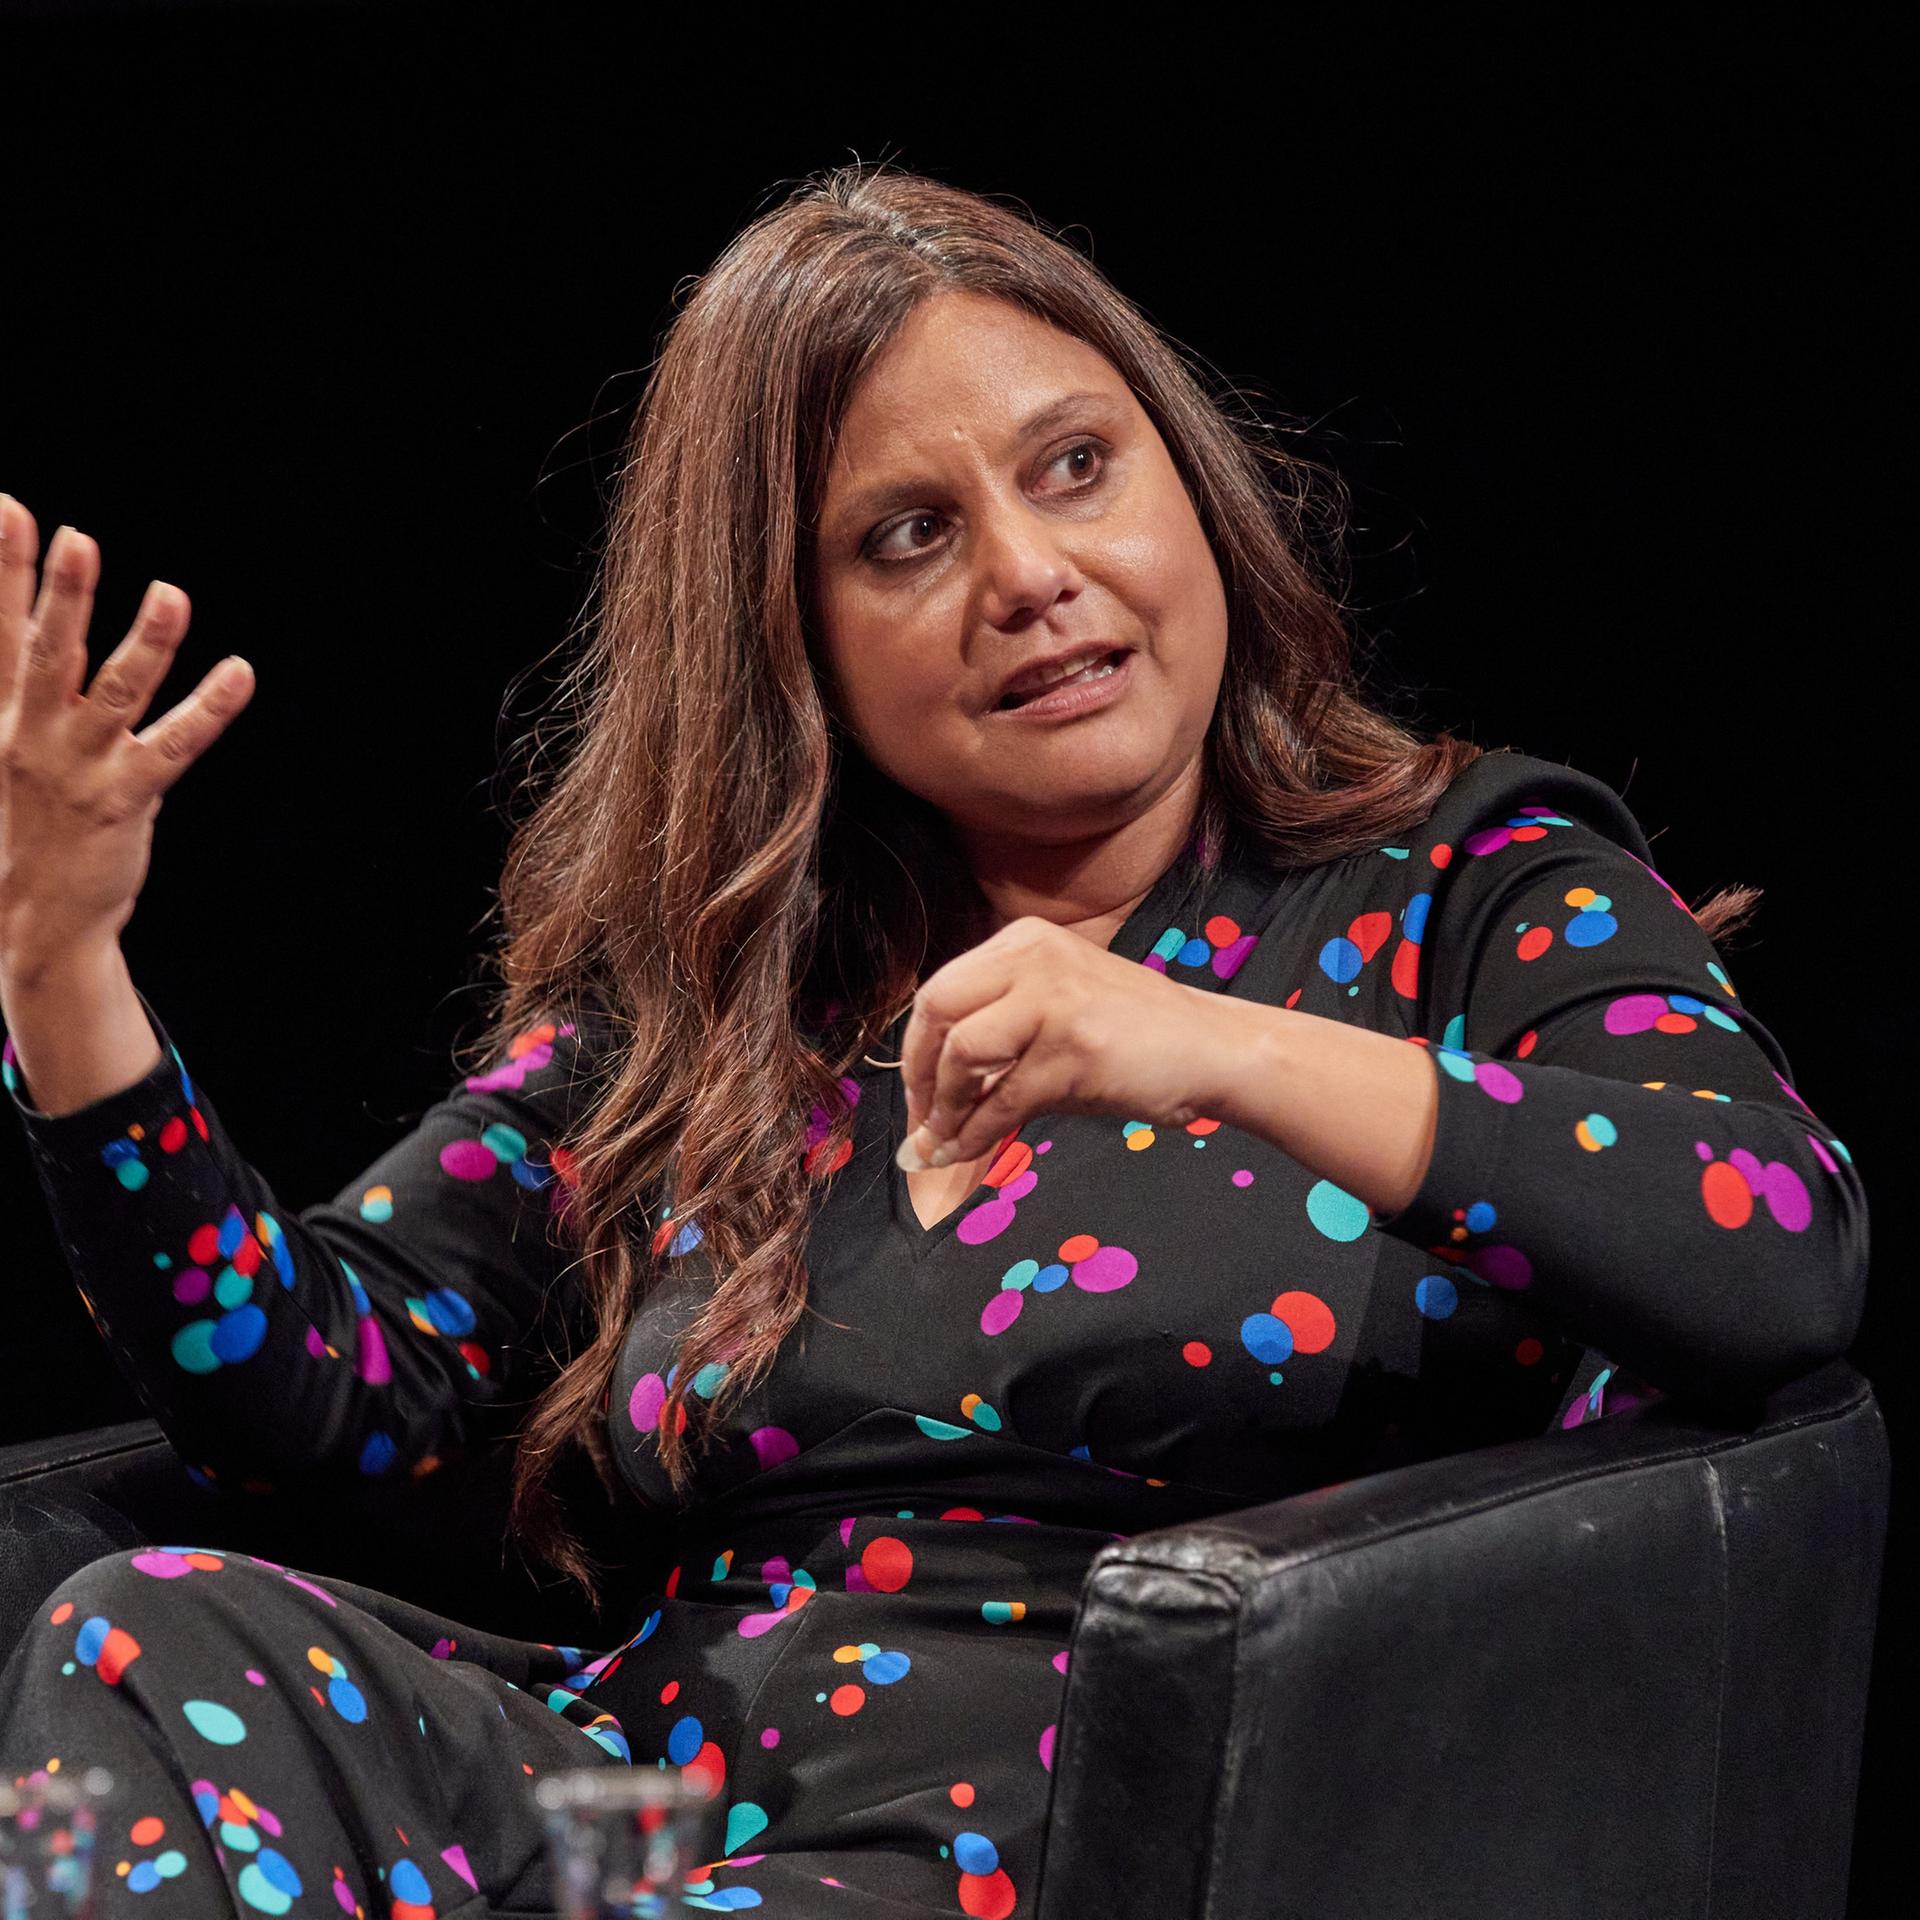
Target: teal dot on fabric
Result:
[[1454, 1033], [729, 1900], [132, 1174], [1020, 1274], [1276, 1376], [239, 1836], [905, 1513], [410, 1884], [192, 1347], [505, 1143], [1602, 1129], [934, 1430], [69, 1667], [171, 1864], [1436, 1296], [1720, 1018], [377, 1209], [1169, 943], [1132, 1127], [984, 1416], [1454, 1064], [233, 1288], [211, 1721], [706, 1383], [744, 1820], [1335, 1212], [163, 1261], [997, 1613]]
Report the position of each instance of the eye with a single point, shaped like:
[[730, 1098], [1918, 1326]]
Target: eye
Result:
[[872, 548]]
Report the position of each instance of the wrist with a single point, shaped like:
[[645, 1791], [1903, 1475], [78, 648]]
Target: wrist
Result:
[[33, 966]]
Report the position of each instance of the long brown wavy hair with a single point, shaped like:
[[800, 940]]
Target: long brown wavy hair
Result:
[[716, 863]]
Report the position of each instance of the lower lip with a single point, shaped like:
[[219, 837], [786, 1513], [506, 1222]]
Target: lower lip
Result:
[[1086, 696]]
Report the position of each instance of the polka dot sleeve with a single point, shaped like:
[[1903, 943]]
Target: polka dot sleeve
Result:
[[1618, 1135], [364, 1335]]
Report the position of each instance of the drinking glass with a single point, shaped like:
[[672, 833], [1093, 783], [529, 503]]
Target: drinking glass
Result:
[[47, 1827], [629, 1843]]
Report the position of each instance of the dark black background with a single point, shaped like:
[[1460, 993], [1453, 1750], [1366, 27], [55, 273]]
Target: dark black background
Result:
[[332, 316]]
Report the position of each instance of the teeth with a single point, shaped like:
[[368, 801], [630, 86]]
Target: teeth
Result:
[[1093, 668]]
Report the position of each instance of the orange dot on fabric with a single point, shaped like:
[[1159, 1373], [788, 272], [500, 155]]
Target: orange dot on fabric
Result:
[[987, 1896], [206, 1562], [1222, 931], [1534, 942], [247, 1808], [1196, 1353], [1675, 1023], [64, 1611], [1528, 1352], [848, 1699], [1309, 1319], [669, 1693], [146, 1830], [1008, 1164], [1203, 1126], [118, 1651], [887, 1563], [1529, 833], [960, 1793], [540, 1036], [410, 1910], [1078, 1246], [1726, 1195], [321, 1658]]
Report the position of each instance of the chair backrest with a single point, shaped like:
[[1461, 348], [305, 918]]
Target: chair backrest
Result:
[[1618, 1669]]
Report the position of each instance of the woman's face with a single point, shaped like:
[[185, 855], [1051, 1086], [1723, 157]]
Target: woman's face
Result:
[[998, 541]]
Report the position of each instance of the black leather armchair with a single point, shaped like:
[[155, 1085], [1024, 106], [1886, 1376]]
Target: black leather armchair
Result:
[[1617, 1670]]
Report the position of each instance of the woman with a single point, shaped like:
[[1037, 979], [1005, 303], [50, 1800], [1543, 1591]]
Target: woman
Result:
[[941, 1125]]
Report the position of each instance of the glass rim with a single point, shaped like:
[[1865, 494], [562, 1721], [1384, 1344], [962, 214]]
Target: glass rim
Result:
[[56, 1792], [618, 1789]]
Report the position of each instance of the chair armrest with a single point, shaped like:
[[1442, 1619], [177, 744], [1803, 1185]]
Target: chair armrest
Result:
[[1616, 1669]]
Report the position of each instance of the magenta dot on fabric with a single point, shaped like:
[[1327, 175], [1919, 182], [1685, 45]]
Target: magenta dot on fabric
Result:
[[1020, 1188], [343, 1897], [1502, 1266], [1002, 1310], [1496, 1081], [315, 1345], [1105, 1269], [1046, 1747], [773, 1445], [1060, 1661], [258, 1678], [1786, 1196], [1634, 1012], [373, 1365], [162, 1566], [468, 1159], [319, 1593], [191, 1287], [1821, 1154], [857, 1582], [770, 1737], [1229, 960], [778, 1568], [987, 1221], [1490, 841], [456, 1858], [846, 1529], [648, 1397], [1242, 1178]]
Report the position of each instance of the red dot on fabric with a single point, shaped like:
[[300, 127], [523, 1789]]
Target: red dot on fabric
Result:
[[64, 1611], [1526, 1043], [1534, 942], [1222, 931], [1675, 1023], [847, 1700], [203, 1245], [1528, 1352], [117, 1653], [1309, 1319], [1078, 1246], [1196, 1353], [173, 1136], [1441, 856], [1726, 1195], [961, 1794], [887, 1563], [145, 1831], [669, 1692], [987, 1896]]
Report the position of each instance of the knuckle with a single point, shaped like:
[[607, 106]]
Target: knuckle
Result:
[[113, 688], [173, 746]]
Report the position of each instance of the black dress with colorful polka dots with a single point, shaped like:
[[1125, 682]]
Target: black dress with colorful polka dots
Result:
[[860, 1649]]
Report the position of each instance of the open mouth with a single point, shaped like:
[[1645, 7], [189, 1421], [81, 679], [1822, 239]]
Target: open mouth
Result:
[[1099, 669]]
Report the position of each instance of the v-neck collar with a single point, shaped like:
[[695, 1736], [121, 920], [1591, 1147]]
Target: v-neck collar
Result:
[[1187, 904]]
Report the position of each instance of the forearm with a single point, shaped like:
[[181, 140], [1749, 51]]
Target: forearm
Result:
[[1355, 1106], [78, 1029]]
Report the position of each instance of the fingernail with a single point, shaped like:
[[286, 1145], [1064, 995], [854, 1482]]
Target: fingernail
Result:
[[907, 1156], [943, 1156]]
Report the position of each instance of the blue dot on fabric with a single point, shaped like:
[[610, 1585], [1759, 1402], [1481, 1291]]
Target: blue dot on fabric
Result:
[[1480, 1216], [1340, 960], [233, 1230], [685, 1740], [449, 1311], [975, 1853], [277, 1870], [144, 1878], [1196, 953], [92, 1637], [1050, 1277], [1270, 1341], [885, 1668], [1436, 1296], [377, 1455], [410, 1884], [239, 1333], [348, 1700], [1591, 929], [1413, 923]]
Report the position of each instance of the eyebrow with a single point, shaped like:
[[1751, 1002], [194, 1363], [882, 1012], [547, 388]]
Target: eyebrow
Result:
[[904, 493]]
